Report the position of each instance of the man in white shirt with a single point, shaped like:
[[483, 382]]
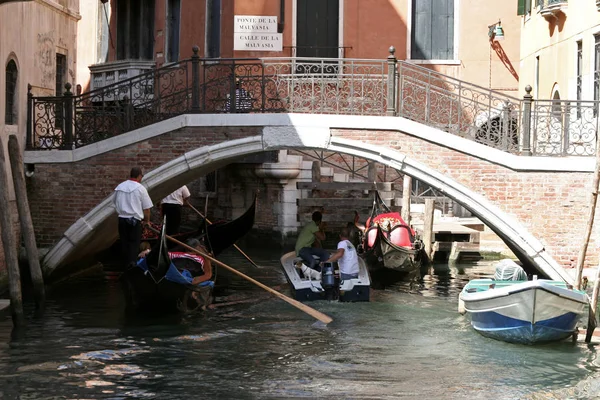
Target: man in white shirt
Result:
[[133, 205], [346, 257], [171, 208]]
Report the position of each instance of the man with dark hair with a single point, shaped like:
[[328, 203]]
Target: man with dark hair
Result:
[[311, 233], [133, 205], [346, 257], [171, 207]]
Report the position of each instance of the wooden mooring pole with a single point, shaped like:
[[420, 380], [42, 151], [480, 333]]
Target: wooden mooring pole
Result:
[[428, 226], [581, 258], [406, 188], [9, 245], [18, 174]]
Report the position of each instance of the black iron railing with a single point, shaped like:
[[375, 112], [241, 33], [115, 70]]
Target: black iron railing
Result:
[[315, 85], [270, 85]]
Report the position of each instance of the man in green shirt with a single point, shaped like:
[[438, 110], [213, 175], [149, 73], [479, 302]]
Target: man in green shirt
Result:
[[306, 240]]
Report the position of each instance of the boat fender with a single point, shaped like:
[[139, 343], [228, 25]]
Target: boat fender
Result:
[[461, 307]]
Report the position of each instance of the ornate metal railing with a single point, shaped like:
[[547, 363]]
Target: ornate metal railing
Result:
[[564, 127], [308, 85], [302, 85], [458, 107]]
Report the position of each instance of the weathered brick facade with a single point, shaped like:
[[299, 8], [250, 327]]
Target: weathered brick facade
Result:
[[552, 206], [59, 194]]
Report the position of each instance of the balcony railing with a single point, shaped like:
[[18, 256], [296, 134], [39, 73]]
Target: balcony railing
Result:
[[551, 8], [385, 87]]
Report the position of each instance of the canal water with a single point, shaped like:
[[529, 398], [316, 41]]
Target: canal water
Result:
[[407, 343]]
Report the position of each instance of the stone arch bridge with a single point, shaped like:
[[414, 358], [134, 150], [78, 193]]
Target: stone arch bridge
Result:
[[537, 205]]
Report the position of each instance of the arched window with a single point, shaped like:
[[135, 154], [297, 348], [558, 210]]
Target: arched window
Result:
[[10, 114], [556, 105]]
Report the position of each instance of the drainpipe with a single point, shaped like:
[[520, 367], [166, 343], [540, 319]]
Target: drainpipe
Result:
[[281, 23]]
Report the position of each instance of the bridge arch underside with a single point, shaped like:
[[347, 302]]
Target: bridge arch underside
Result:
[[82, 237]]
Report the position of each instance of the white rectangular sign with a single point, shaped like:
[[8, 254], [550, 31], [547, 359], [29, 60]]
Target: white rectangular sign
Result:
[[257, 41], [255, 24]]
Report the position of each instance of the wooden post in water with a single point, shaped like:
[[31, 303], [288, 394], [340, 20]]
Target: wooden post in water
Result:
[[18, 174], [428, 226], [593, 304], [590, 224], [581, 258], [10, 248], [406, 188]]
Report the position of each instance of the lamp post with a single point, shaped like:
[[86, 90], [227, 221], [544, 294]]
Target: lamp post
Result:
[[495, 34]]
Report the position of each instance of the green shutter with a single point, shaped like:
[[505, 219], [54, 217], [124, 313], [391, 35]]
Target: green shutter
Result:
[[521, 7]]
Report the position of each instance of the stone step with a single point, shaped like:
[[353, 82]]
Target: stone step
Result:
[[382, 186], [333, 219], [330, 203]]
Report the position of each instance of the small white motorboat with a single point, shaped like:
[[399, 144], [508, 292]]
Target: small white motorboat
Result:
[[522, 311], [308, 284]]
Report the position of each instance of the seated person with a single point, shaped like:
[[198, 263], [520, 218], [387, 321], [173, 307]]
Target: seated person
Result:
[[346, 257], [310, 236], [201, 268]]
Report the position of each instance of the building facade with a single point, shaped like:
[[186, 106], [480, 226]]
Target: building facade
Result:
[[560, 49], [38, 47], [450, 36]]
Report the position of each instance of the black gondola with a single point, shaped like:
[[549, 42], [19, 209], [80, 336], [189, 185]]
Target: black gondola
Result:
[[163, 280]]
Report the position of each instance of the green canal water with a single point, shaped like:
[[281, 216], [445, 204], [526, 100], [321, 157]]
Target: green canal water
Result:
[[407, 343]]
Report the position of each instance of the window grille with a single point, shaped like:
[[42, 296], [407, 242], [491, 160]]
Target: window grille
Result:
[[61, 74]]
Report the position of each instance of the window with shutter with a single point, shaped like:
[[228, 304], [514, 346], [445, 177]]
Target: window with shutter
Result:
[[61, 79], [213, 28], [432, 35], [317, 26], [135, 29], [173, 18], [524, 6], [10, 114]]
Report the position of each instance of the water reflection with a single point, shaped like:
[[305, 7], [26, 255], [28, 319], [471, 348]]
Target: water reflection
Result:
[[408, 342]]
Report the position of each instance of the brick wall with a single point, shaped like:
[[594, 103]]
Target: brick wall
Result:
[[59, 194], [554, 207]]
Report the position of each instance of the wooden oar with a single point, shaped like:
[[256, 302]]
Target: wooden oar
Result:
[[234, 245], [303, 307]]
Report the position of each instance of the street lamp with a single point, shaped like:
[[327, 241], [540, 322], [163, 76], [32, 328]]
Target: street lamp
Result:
[[496, 32]]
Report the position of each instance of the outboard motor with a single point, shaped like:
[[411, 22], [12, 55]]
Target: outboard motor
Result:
[[327, 276]]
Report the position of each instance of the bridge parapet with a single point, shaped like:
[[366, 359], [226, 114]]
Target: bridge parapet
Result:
[[317, 86]]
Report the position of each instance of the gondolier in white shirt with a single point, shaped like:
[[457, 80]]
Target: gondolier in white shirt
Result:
[[133, 205], [171, 208], [346, 257]]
